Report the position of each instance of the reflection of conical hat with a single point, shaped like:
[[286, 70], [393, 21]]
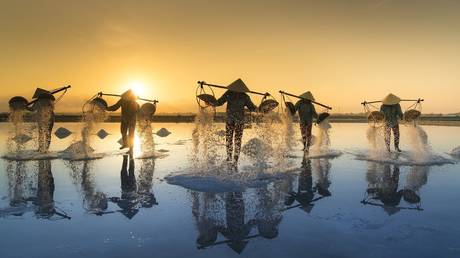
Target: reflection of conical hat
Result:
[[238, 86], [391, 99], [307, 95]]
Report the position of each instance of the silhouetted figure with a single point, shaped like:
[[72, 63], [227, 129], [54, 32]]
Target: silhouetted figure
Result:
[[305, 194], [392, 113], [383, 186], [236, 230], [44, 116], [236, 99], [307, 113], [129, 108], [129, 199], [45, 190]]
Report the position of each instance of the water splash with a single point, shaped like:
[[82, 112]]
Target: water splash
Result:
[[205, 155], [376, 140], [418, 142]]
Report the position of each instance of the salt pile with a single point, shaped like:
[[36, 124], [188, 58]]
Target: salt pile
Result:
[[257, 149], [21, 138], [102, 134], [62, 133], [79, 148], [163, 132]]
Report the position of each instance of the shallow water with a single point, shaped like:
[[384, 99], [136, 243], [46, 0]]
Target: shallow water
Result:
[[328, 208]]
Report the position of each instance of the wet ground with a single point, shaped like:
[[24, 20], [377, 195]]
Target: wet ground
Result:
[[337, 207]]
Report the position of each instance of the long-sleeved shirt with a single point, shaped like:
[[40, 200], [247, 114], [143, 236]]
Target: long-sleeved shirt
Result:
[[306, 111], [236, 101], [392, 113], [129, 109]]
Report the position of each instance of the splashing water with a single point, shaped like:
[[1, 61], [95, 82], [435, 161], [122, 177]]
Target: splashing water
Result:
[[204, 154], [90, 121], [376, 140], [18, 133], [322, 142], [418, 140]]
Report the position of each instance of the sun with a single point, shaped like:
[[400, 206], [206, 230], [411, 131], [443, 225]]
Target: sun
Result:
[[138, 87]]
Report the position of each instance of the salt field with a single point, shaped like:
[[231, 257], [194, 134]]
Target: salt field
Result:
[[181, 200]]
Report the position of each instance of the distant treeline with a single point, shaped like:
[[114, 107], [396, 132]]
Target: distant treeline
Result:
[[220, 117]]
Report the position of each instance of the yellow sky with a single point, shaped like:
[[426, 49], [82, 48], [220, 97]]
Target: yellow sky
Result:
[[342, 51]]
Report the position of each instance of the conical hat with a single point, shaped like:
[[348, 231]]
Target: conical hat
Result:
[[307, 95], [391, 99], [238, 86]]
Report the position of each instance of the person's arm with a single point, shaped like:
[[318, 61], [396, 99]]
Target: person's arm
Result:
[[297, 105], [114, 107], [222, 99], [313, 111], [400, 113], [250, 105]]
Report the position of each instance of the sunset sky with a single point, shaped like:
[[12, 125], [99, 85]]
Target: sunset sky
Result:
[[342, 51]]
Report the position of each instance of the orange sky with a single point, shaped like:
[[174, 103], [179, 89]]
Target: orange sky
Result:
[[342, 51]]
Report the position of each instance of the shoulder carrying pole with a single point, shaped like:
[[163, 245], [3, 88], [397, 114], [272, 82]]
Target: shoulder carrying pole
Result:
[[51, 92], [100, 94], [295, 96], [223, 87]]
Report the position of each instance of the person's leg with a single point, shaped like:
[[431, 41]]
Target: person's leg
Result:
[[303, 132], [396, 136], [387, 132], [124, 131], [238, 139], [308, 136], [41, 140], [230, 128], [48, 134]]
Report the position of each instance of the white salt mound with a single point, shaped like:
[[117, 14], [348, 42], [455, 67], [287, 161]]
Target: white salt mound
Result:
[[62, 133], [22, 138], [256, 148], [102, 134], [79, 148], [163, 132]]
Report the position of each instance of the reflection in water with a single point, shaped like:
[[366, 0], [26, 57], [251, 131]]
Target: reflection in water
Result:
[[94, 202], [236, 214], [383, 187], [307, 194], [32, 193], [135, 195]]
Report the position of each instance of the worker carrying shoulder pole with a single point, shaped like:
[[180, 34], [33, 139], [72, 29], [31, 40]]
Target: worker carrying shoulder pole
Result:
[[392, 113], [129, 108], [306, 114], [44, 113], [237, 100]]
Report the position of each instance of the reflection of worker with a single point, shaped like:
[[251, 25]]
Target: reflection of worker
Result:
[[392, 112], [128, 201], [129, 109], [306, 114], [305, 193], [45, 190], [383, 186], [44, 111], [236, 229], [236, 99]]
